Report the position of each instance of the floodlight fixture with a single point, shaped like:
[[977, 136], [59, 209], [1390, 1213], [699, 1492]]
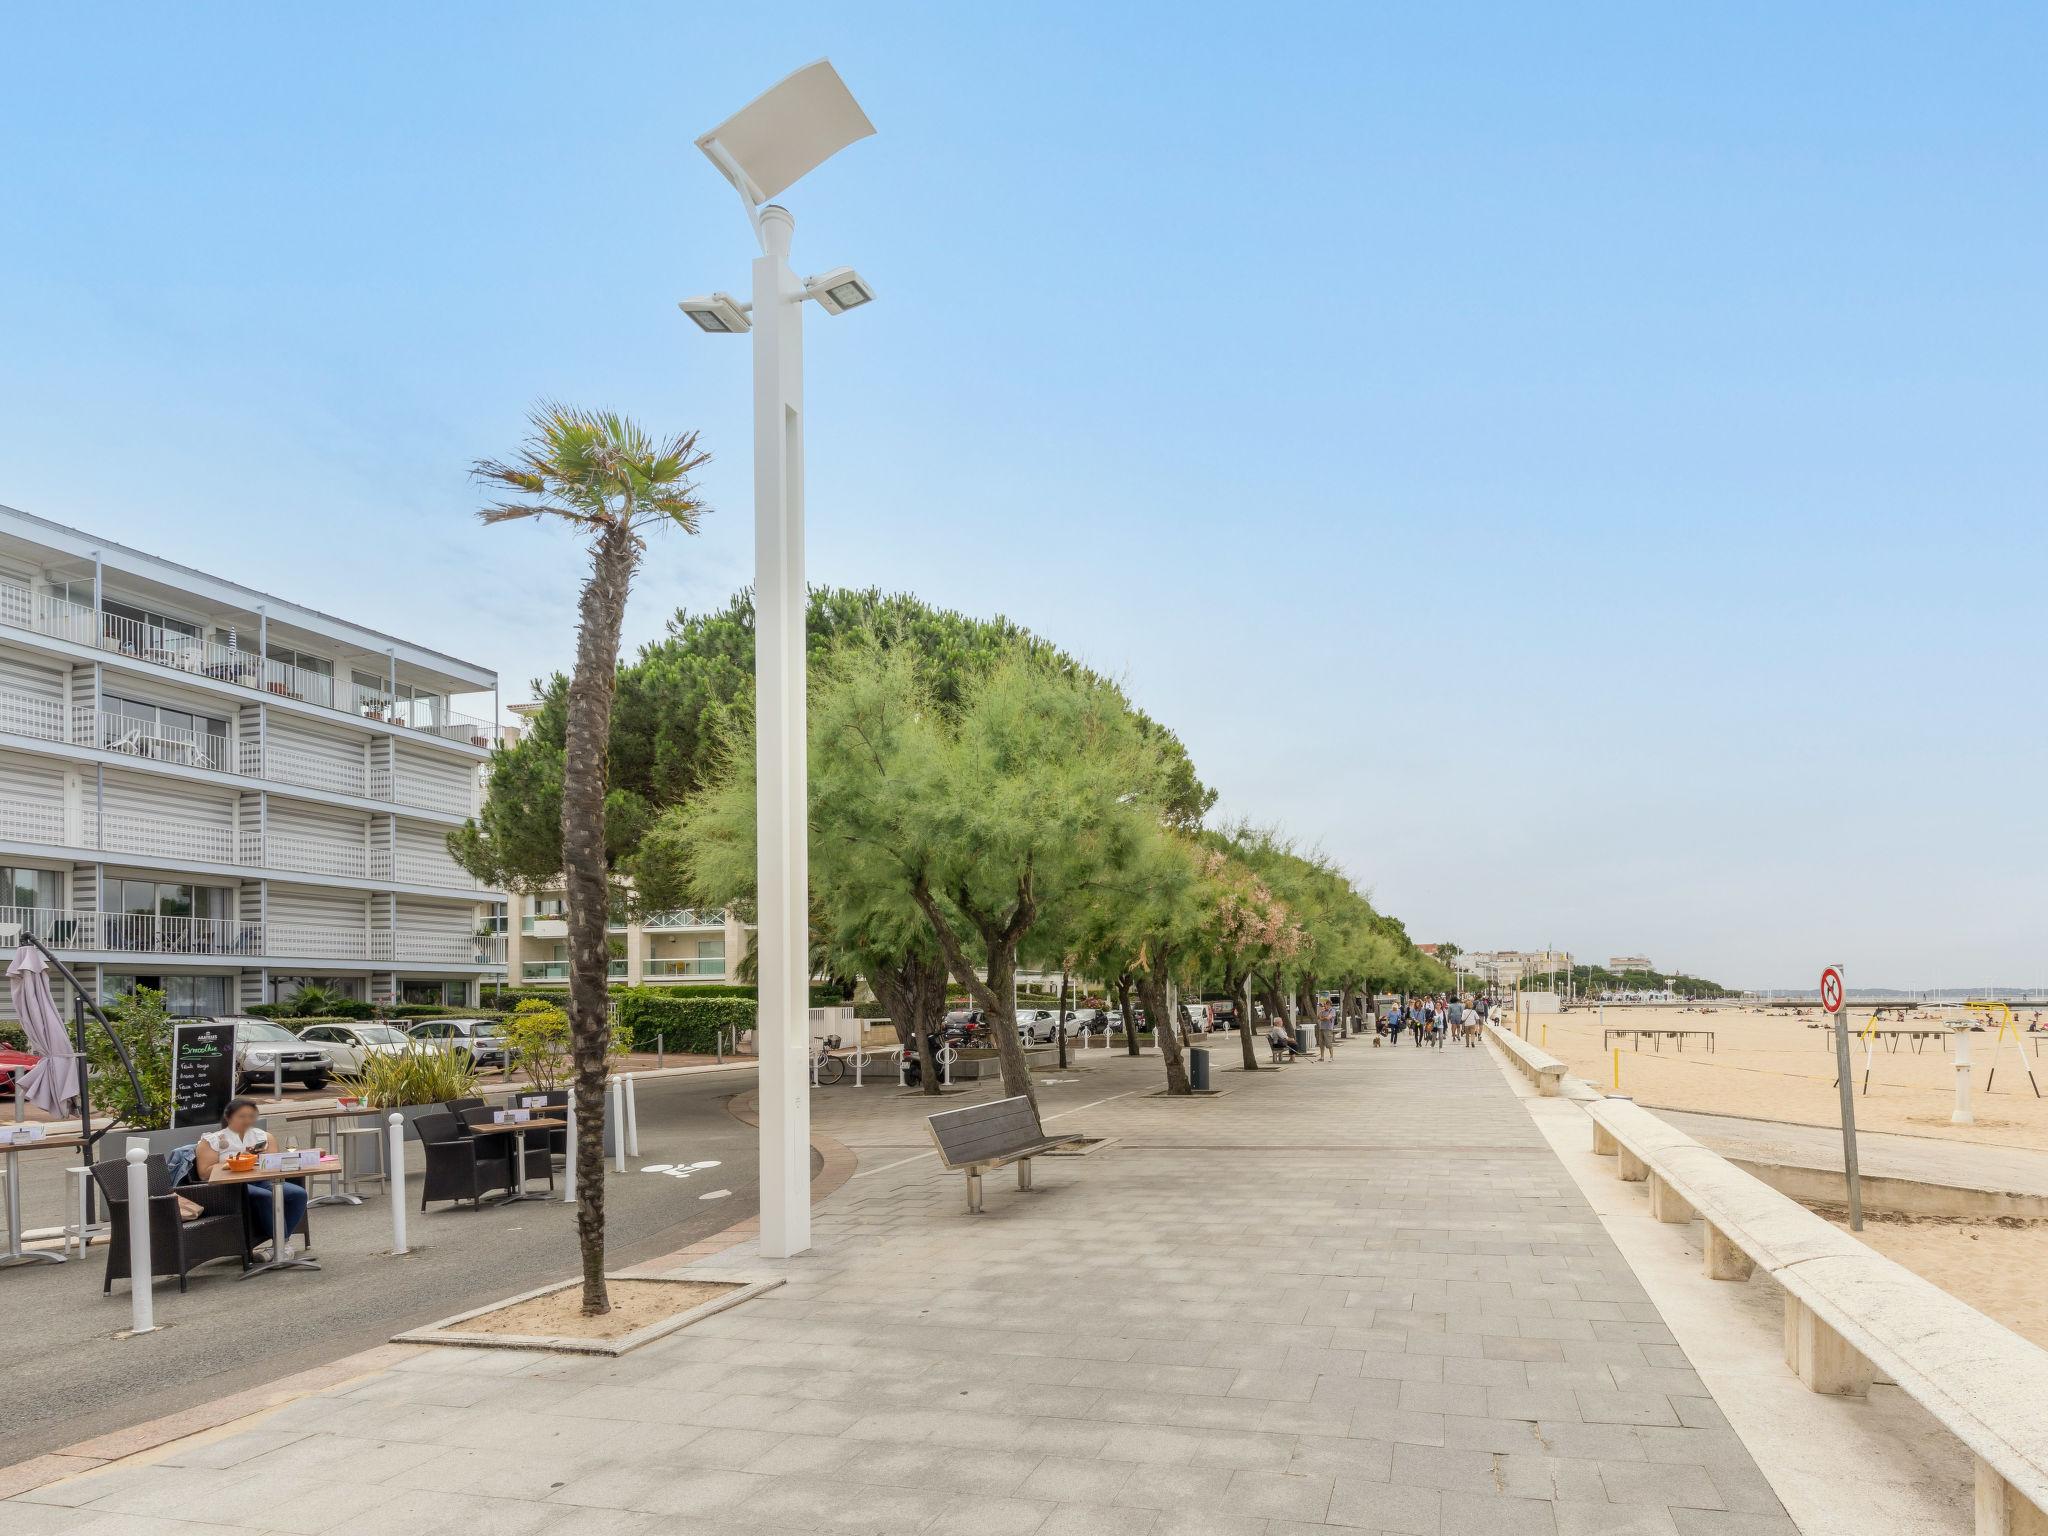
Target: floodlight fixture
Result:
[[719, 313], [839, 290]]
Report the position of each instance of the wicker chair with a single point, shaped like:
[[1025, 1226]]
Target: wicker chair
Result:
[[176, 1246], [458, 1166], [494, 1141]]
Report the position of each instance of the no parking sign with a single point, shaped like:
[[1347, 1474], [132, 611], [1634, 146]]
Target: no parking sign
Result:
[[1831, 989]]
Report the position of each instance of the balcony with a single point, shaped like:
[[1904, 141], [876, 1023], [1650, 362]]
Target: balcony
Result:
[[409, 867], [24, 714], [148, 933], [701, 968], [558, 970], [669, 922], [176, 651]]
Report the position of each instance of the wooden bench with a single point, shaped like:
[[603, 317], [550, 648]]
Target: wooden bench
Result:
[[983, 1136], [1852, 1315], [1539, 1066]]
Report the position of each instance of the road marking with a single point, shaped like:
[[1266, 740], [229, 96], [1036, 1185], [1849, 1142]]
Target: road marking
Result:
[[1060, 1116], [714, 1194]]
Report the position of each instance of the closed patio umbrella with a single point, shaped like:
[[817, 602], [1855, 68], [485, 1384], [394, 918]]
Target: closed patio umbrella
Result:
[[52, 1083]]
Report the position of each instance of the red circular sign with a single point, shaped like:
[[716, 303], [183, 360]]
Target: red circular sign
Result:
[[1831, 990]]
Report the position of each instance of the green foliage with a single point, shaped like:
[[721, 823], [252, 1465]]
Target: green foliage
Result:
[[683, 1020], [537, 1035], [313, 1003], [145, 1028], [394, 1079]]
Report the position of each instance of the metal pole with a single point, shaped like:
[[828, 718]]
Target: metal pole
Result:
[[632, 1118], [616, 1111], [781, 780], [661, 1052], [569, 1162], [1850, 1171], [142, 1316], [394, 1158]]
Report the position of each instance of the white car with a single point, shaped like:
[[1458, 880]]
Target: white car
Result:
[[483, 1040], [350, 1046], [1038, 1026], [268, 1054]]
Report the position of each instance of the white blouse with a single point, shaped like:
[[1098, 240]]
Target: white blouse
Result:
[[226, 1143]]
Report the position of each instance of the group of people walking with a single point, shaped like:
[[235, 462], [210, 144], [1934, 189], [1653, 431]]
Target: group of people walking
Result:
[[1434, 1020], [1428, 1020]]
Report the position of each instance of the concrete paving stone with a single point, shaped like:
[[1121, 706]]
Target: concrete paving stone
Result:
[[235, 1450], [833, 1504], [1478, 1371], [1499, 1347], [1462, 1346], [1358, 1391], [1496, 1436], [1393, 1507], [1401, 1367], [1195, 1522], [1597, 1406], [1528, 1402], [1745, 1489], [1614, 1520], [1604, 1442], [941, 1467], [1699, 1413], [1372, 1460], [1433, 1466], [424, 1512], [661, 1490], [132, 1487], [1493, 1514], [1444, 1398], [808, 1453], [1278, 1495], [1099, 1520], [1282, 1386], [1643, 1482], [1704, 1447], [521, 1472], [1075, 1480], [1722, 1522], [1426, 1429], [1172, 1487], [989, 1517], [1665, 1354], [1561, 1479]]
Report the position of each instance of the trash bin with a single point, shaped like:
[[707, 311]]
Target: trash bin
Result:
[[1198, 1068]]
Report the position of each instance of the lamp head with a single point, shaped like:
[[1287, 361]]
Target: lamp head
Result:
[[839, 290], [718, 313]]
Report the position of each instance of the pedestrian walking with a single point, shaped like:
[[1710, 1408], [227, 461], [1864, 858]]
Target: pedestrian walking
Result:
[[1326, 1032]]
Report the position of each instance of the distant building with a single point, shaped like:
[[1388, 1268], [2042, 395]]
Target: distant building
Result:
[[1619, 963], [1505, 967]]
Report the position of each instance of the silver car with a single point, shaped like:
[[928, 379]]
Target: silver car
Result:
[[350, 1046], [1037, 1026], [267, 1052], [482, 1039]]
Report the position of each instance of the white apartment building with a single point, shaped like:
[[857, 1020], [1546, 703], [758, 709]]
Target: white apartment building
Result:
[[656, 949], [224, 795]]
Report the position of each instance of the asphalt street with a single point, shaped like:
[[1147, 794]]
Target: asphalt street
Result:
[[65, 1375]]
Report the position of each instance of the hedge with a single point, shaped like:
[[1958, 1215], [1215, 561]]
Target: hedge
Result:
[[682, 1019]]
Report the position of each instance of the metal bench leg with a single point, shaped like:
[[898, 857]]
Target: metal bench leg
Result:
[[973, 1192], [1023, 1173]]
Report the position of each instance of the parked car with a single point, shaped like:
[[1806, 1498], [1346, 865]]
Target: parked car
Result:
[[265, 1052], [1089, 1021], [482, 1039], [1195, 1017], [350, 1046], [1038, 1026], [11, 1062]]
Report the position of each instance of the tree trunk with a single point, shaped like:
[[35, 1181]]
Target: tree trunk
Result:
[[1241, 1005], [1152, 987], [914, 992], [586, 880], [994, 993], [1344, 1008], [1061, 1025], [1123, 1002]]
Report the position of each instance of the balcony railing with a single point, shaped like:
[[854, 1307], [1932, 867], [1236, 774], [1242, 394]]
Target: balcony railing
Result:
[[148, 933], [701, 967], [685, 917], [162, 646], [27, 714], [558, 970], [413, 868]]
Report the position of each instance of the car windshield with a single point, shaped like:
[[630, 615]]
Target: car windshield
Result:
[[379, 1034], [260, 1029]]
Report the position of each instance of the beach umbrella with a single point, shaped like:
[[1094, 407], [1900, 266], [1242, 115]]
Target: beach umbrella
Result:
[[52, 1083]]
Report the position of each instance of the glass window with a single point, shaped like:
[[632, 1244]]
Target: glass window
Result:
[[320, 666], [711, 949], [28, 887]]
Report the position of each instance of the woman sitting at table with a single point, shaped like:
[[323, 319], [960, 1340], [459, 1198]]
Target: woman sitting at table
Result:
[[239, 1132]]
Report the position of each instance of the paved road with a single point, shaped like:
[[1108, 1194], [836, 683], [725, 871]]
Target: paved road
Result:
[[64, 1376]]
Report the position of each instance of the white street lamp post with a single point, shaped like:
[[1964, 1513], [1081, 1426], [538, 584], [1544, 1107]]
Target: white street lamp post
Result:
[[786, 132]]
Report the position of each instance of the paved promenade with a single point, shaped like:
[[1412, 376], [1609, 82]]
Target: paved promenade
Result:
[[1357, 1296]]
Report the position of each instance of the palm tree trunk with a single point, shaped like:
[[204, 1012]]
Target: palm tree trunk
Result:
[[584, 778]]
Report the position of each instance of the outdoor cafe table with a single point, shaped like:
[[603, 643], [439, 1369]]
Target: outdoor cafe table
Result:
[[330, 1115], [517, 1130], [280, 1240], [15, 1253]]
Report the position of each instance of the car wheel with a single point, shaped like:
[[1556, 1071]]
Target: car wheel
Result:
[[316, 1082]]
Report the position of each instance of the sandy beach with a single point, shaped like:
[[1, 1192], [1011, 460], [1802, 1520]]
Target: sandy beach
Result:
[[1773, 1066]]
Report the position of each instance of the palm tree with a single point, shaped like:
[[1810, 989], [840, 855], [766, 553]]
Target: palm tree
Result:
[[602, 474]]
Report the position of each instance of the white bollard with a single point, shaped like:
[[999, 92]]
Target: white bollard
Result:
[[141, 1300], [616, 1110], [277, 1078], [1962, 1114], [394, 1158], [569, 1162], [632, 1117]]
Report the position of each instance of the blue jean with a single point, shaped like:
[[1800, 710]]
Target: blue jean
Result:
[[260, 1209]]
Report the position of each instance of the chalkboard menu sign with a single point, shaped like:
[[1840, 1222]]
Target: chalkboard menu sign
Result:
[[202, 1072]]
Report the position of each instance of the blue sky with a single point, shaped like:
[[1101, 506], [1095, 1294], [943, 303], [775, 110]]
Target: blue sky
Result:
[[1581, 465]]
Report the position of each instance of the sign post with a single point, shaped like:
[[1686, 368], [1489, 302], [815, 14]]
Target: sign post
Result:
[[1834, 997]]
